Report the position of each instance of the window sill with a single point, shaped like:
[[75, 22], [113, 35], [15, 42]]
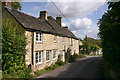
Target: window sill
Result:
[[54, 58], [38, 63], [55, 41], [39, 42], [48, 61]]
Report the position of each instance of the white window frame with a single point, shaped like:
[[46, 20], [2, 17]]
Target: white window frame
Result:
[[62, 40], [39, 53], [55, 54], [55, 38], [40, 35], [49, 55]]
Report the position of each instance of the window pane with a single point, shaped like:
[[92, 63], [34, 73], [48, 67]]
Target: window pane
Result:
[[36, 57], [36, 36], [54, 54], [40, 36], [47, 55], [40, 56]]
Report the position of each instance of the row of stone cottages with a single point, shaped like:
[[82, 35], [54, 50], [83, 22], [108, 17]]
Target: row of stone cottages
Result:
[[46, 38]]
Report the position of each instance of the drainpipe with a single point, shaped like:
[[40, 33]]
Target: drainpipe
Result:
[[32, 48]]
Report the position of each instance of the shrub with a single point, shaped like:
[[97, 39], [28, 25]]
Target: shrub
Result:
[[61, 63], [72, 58], [76, 56], [19, 74]]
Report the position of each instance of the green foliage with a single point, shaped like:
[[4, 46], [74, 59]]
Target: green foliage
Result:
[[16, 5], [59, 60], [82, 56], [90, 44], [67, 55], [39, 72], [94, 48], [109, 26], [19, 74], [61, 63], [76, 55], [13, 46], [59, 57], [70, 58]]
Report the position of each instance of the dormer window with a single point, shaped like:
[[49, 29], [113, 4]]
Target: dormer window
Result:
[[38, 37], [55, 38]]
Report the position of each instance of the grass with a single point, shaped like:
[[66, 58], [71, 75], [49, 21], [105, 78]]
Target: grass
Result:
[[82, 56], [95, 54], [47, 69]]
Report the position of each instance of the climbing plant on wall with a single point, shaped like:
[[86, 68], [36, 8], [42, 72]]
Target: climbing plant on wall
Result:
[[13, 46]]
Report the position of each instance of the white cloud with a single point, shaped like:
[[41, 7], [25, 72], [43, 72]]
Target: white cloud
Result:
[[82, 27], [79, 23], [73, 9], [36, 7]]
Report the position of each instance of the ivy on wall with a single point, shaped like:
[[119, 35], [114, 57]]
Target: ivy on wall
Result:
[[13, 44]]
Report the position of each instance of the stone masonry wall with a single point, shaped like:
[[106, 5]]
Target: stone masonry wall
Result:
[[48, 44]]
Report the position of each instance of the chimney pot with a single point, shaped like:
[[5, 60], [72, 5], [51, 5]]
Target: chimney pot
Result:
[[8, 3]]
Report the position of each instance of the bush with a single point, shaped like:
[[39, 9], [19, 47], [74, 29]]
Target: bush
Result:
[[19, 74], [61, 63], [81, 56], [71, 59], [76, 56]]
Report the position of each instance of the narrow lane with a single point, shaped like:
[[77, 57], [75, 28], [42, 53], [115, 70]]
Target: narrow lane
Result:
[[90, 67]]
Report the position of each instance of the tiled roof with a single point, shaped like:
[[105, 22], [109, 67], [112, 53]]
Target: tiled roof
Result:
[[49, 26]]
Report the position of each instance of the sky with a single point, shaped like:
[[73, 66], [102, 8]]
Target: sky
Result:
[[81, 17]]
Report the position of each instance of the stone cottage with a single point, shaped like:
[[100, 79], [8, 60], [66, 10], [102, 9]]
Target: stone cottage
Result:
[[46, 38]]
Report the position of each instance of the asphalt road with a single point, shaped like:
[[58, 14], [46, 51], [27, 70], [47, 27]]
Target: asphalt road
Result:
[[90, 67]]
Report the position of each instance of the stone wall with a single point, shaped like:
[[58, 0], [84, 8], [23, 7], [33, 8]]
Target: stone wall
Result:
[[48, 44]]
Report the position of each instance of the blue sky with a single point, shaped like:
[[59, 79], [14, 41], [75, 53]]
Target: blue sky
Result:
[[82, 15]]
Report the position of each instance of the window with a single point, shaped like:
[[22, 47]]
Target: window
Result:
[[62, 40], [39, 37], [39, 57], [55, 38], [48, 56], [54, 54]]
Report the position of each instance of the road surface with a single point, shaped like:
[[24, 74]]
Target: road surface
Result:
[[90, 67]]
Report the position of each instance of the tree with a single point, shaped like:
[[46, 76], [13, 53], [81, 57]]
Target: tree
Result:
[[86, 45], [13, 44], [16, 5], [109, 26]]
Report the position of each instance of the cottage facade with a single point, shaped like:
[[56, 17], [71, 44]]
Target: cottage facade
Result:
[[46, 38]]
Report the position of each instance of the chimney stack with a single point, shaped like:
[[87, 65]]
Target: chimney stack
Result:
[[8, 3], [43, 15], [59, 20]]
